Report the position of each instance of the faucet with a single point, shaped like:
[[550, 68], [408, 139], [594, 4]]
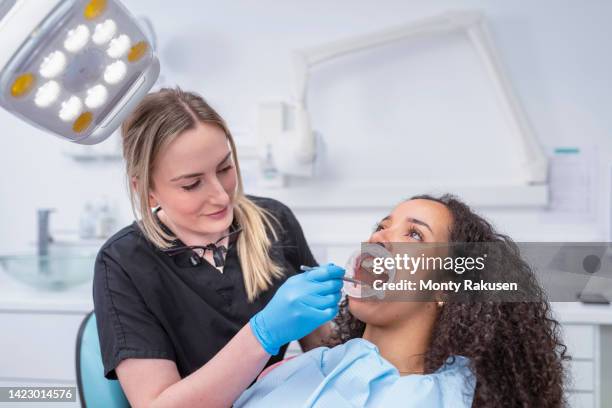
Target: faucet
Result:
[[44, 236]]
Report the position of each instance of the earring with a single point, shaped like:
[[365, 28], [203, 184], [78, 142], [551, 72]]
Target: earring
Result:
[[440, 303]]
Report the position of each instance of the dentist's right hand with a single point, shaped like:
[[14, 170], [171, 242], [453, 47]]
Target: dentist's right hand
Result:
[[304, 302]]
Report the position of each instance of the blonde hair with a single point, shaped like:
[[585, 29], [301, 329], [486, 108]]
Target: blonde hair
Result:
[[158, 120]]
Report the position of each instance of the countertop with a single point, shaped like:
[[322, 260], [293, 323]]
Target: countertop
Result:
[[19, 297]]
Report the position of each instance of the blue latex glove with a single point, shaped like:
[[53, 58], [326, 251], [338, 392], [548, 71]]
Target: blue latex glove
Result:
[[301, 304]]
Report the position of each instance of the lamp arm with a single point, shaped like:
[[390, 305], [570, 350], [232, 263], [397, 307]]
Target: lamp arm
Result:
[[306, 58]]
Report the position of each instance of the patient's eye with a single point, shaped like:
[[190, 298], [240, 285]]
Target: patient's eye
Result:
[[379, 226], [414, 234]]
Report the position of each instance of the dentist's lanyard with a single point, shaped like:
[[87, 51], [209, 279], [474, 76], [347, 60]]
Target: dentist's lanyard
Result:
[[218, 251]]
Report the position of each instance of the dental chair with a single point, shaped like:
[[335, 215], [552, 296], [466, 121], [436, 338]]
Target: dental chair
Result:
[[94, 389]]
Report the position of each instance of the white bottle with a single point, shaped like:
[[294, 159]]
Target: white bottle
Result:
[[270, 176], [105, 220], [87, 222]]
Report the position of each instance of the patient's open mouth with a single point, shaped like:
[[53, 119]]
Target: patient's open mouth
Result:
[[361, 272], [364, 270], [360, 277]]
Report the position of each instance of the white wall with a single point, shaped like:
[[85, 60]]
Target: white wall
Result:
[[237, 54]]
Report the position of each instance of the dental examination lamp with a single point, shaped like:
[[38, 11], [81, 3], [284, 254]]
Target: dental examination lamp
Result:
[[74, 68]]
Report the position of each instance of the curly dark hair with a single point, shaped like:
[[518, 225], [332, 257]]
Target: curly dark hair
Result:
[[515, 348]]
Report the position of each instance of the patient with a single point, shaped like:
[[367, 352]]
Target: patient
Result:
[[443, 353]]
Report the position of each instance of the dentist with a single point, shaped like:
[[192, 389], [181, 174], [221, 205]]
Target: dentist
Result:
[[194, 297]]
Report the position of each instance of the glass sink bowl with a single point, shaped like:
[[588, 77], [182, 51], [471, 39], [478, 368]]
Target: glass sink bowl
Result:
[[54, 272]]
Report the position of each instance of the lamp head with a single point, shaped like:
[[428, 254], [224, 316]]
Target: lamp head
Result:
[[74, 68]]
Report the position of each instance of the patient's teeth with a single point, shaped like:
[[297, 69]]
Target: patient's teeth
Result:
[[363, 261]]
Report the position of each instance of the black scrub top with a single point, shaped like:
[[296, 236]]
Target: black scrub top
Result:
[[152, 305]]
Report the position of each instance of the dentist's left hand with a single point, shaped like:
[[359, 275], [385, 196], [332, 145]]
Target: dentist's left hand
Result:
[[301, 304]]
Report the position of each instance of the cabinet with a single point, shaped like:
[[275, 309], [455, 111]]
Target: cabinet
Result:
[[38, 349], [38, 341], [582, 341]]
